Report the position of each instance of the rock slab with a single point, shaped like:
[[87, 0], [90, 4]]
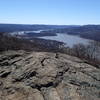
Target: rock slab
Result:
[[47, 76]]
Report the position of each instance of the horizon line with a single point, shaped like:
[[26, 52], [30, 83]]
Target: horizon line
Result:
[[50, 24]]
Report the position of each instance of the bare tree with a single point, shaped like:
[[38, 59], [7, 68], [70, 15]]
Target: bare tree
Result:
[[79, 50], [93, 50]]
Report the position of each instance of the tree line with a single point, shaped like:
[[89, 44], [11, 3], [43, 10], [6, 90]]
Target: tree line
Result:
[[90, 53]]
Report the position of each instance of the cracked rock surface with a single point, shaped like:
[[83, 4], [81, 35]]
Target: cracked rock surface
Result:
[[47, 76]]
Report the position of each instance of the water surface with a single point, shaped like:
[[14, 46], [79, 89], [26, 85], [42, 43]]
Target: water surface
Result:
[[69, 40]]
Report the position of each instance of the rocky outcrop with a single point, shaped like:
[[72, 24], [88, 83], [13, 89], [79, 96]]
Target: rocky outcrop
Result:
[[47, 76]]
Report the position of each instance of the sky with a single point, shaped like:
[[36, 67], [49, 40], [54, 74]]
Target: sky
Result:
[[55, 12]]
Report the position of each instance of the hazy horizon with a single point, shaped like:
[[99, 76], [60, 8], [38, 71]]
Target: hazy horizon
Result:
[[50, 24]]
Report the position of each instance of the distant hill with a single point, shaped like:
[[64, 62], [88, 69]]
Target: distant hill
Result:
[[34, 27], [86, 31]]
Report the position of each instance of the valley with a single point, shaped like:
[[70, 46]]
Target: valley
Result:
[[48, 64]]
